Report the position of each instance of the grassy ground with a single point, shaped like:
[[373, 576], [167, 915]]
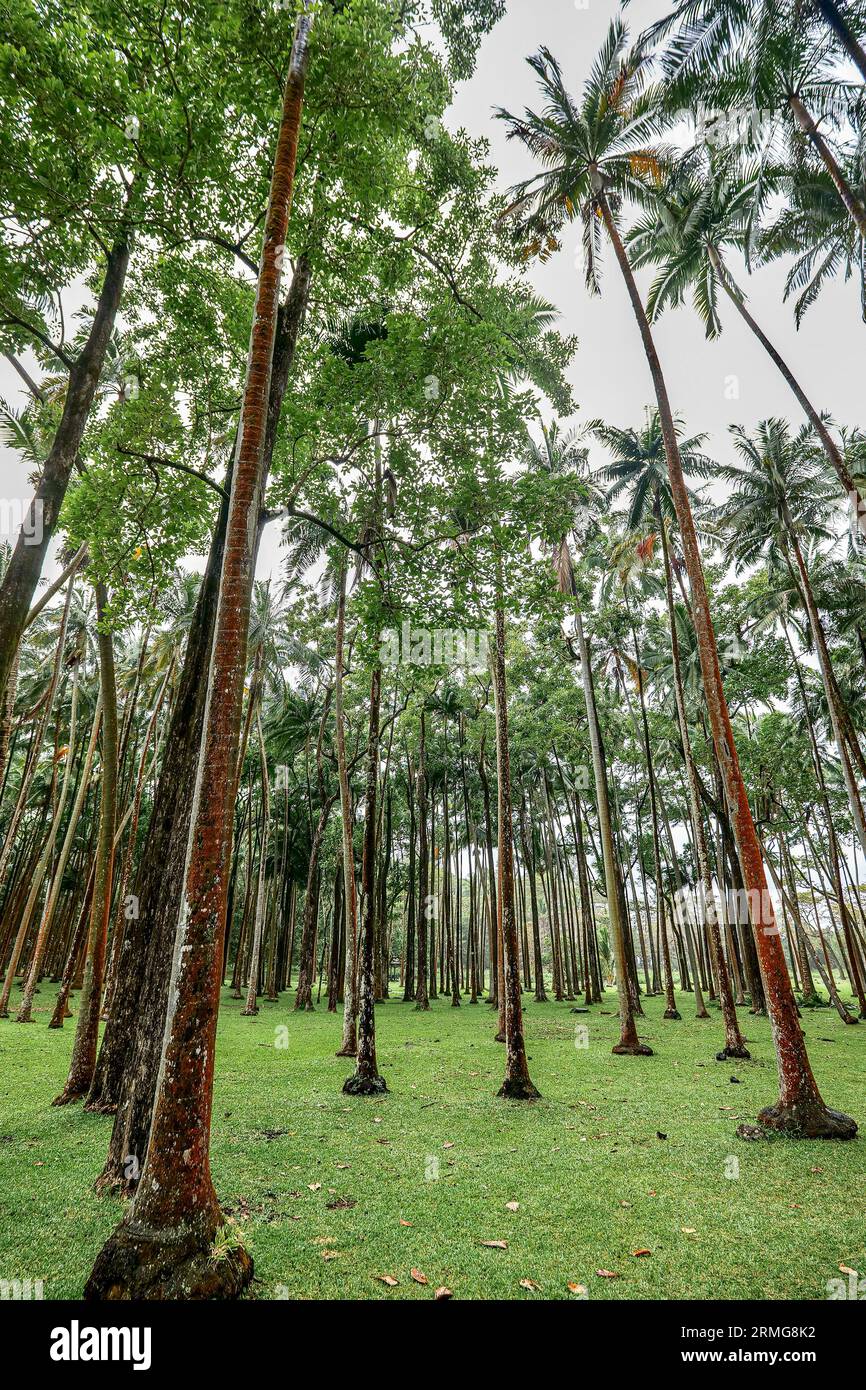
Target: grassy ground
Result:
[[331, 1192]]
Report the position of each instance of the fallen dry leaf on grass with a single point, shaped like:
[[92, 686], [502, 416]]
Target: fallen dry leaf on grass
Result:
[[405, 1223], [606, 1274], [846, 1269], [418, 1276], [577, 1288], [529, 1284], [495, 1244], [442, 1293], [314, 1186], [512, 1206], [641, 1252], [688, 1230], [387, 1279]]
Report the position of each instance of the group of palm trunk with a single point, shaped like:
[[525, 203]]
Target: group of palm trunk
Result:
[[157, 972]]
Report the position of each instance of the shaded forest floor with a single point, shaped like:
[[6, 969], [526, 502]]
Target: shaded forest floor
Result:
[[331, 1192]]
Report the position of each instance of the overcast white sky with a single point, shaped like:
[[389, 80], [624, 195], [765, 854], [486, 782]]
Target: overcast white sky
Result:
[[609, 372]]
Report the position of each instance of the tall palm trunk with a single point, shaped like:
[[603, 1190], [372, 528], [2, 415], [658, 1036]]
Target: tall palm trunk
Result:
[[349, 1044], [734, 1043], [529, 862], [366, 1080], [491, 892], [517, 1084], [309, 927], [629, 1042], [163, 1247], [422, 1001], [800, 1109], [671, 1010], [251, 1006]]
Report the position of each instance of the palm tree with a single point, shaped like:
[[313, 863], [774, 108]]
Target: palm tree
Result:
[[814, 231], [755, 56], [595, 154], [705, 212], [779, 501], [163, 1247], [560, 459]]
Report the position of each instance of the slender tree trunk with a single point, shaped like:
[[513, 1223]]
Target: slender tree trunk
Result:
[[517, 1084], [529, 861], [366, 1080], [163, 1247], [349, 1044], [411, 902], [421, 999], [629, 1042], [734, 1042], [671, 1010], [307, 957], [800, 1109], [251, 1006]]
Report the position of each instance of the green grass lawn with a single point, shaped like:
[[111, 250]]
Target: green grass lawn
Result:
[[331, 1192]]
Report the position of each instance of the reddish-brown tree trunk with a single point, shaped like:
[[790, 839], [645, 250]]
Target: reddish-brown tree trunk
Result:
[[800, 1109], [163, 1248]]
